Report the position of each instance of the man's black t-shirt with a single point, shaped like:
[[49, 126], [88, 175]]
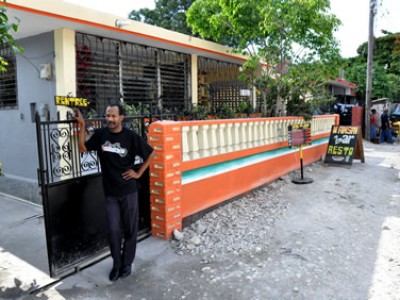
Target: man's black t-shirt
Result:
[[117, 152], [385, 121]]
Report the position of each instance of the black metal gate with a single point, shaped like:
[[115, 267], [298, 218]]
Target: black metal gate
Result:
[[72, 195]]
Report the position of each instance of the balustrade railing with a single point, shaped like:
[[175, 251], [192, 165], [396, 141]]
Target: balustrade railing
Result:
[[208, 138]]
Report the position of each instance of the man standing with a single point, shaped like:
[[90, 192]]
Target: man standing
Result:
[[117, 148], [373, 120], [386, 132]]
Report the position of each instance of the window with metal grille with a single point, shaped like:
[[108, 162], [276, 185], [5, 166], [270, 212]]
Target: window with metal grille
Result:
[[8, 79], [110, 70], [219, 83]]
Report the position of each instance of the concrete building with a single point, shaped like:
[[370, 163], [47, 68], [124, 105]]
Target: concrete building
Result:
[[344, 91], [95, 58]]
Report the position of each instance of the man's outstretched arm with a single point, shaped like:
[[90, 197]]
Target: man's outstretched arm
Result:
[[82, 130]]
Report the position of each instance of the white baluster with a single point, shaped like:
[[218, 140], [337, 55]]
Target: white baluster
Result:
[[212, 139], [194, 142], [268, 130], [285, 125], [280, 131], [262, 133], [316, 127], [320, 126], [221, 138], [228, 137], [275, 136], [185, 144], [265, 132], [327, 125], [256, 134], [254, 131], [250, 136], [236, 136], [243, 135], [204, 146]]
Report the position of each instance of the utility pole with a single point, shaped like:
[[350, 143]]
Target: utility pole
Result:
[[371, 40]]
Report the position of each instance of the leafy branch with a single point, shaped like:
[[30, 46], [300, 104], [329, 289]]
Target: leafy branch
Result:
[[7, 29]]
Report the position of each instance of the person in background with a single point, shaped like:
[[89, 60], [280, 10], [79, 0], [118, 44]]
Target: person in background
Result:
[[373, 119], [386, 132], [117, 148]]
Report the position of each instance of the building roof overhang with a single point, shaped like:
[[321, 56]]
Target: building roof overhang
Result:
[[37, 17], [343, 83]]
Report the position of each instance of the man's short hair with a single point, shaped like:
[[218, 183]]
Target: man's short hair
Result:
[[121, 110]]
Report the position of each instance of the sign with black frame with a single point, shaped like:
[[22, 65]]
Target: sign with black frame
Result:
[[345, 144]]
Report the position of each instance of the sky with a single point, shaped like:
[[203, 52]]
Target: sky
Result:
[[354, 15]]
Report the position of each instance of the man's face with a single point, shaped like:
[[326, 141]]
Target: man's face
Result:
[[114, 119]]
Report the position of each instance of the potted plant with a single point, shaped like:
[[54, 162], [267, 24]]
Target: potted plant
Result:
[[226, 112], [241, 109]]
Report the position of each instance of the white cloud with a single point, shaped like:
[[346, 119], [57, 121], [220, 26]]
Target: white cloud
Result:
[[354, 15]]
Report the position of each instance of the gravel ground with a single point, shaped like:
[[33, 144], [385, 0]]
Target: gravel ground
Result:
[[239, 227]]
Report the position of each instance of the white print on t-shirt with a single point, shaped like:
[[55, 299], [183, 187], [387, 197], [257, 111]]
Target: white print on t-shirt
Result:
[[114, 148]]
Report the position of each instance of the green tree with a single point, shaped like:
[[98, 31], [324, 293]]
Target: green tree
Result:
[[168, 14], [7, 28], [386, 52], [393, 85], [285, 34], [357, 74], [171, 14], [308, 89], [386, 68]]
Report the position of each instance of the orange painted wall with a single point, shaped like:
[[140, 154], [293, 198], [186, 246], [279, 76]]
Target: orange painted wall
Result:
[[205, 193], [176, 195]]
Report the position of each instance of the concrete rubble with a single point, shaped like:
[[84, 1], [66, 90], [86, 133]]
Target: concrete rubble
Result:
[[241, 226]]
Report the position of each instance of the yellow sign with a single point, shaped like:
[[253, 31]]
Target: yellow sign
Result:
[[71, 101], [300, 126]]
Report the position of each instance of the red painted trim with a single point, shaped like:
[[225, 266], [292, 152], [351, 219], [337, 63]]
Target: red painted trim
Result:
[[320, 136], [110, 28]]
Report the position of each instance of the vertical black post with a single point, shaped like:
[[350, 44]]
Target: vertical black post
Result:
[[301, 180], [301, 164], [42, 182]]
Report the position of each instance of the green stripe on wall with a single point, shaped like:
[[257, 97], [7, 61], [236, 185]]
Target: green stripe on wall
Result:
[[231, 165]]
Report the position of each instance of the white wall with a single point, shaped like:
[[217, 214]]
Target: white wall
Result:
[[18, 151]]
